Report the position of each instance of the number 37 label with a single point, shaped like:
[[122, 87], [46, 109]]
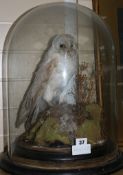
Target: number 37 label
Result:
[[81, 147]]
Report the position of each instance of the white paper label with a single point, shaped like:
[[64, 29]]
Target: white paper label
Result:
[[80, 141], [81, 147]]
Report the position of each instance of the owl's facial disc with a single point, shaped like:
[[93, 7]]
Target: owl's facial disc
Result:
[[65, 44]]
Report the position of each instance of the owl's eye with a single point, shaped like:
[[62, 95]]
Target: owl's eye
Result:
[[62, 46]]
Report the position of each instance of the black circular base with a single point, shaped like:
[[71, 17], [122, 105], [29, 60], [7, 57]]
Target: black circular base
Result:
[[64, 153], [101, 166]]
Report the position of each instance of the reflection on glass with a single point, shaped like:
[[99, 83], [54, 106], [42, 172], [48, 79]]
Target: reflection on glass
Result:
[[60, 80]]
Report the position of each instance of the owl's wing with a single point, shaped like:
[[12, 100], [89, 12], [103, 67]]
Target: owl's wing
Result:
[[33, 102]]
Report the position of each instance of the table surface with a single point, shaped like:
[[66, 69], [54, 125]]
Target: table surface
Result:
[[117, 173]]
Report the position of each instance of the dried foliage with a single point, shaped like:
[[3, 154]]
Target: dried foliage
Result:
[[86, 84]]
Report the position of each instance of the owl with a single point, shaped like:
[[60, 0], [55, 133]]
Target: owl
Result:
[[52, 80]]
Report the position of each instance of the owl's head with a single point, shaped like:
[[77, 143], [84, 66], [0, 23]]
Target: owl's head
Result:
[[64, 43]]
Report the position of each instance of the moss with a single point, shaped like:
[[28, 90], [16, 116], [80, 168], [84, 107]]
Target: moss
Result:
[[95, 111], [91, 128], [48, 131]]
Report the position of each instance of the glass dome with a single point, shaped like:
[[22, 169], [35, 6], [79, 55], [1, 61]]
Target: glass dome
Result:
[[59, 92]]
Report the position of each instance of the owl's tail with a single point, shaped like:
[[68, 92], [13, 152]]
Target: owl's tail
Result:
[[29, 111], [23, 112]]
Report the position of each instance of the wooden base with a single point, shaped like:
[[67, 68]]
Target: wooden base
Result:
[[29, 159], [98, 166], [59, 153]]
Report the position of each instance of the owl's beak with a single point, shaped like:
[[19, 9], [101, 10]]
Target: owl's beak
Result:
[[68, 51]]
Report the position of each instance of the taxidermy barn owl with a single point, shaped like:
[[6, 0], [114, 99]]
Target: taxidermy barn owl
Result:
[[53, 81]]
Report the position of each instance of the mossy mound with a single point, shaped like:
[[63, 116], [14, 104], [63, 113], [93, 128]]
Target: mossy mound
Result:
[[49, 132], [91, 129]]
